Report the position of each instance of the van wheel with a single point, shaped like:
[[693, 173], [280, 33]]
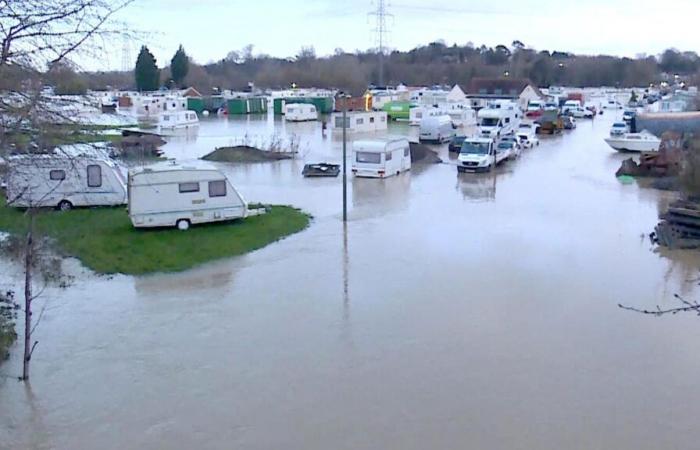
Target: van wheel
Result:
[[65, 205], [183, 224]]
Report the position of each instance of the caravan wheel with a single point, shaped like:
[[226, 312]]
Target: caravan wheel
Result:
[[65, 205], [183, 224]]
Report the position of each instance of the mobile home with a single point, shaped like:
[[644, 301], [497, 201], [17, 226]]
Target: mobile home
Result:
[[436, 129], [167, 195], [300, 112], [499, 118], [64, 182], [361, 121], [380, 158]]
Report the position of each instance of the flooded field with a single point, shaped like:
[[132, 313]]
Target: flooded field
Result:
[[453, 311]]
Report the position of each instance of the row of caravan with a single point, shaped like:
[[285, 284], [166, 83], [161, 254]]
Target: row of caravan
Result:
[[162, 195]]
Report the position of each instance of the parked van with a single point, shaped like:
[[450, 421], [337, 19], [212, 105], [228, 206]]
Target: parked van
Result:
[[436, 129], [167, 195], [300, 112], [480, 154], [381, 158], [65, 182]]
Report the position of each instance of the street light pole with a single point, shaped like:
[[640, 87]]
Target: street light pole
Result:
[[345, 176]]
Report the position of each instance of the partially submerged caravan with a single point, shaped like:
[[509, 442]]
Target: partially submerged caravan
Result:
[[381, 158], [167, 195], [300, 112], [178, 120], [64, 182]]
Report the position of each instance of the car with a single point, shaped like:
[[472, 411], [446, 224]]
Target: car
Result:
[[512, 138], [581, 113], [455, 144], [509, 148], [628, 115], [569, 122]]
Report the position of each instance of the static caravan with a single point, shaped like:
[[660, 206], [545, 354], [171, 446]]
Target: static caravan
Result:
[[362, 121], [167, 195], [437, 129], [380, 158], [64, 182], [300, 112]]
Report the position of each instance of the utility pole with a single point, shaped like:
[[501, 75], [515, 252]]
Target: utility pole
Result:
[[345, 145], [381, 30]]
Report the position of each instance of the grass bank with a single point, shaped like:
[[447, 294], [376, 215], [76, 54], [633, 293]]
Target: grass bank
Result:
[[104, 240]]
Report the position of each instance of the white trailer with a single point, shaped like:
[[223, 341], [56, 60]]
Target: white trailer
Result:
[[167, 195], [436, 129], [300, 112], [417, 114], [64, 182], [380, 158], [361, 121], [178, 120]]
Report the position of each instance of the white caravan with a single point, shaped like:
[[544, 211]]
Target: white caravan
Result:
[[167, 195], [436, 129], [178, 120], [64, 182], [498, 118], [300, 112], [381, 158], [480, 154]]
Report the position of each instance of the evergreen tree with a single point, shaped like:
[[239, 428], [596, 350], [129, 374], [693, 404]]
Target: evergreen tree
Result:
[[179, 66], [146, 72]]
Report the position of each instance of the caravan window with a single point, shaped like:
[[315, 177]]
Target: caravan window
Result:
[[371, 120], [406, 151], [188, 187], [94, 175], [217, 188], [360, 121], [368, 158], [57, 175], [388, 156]]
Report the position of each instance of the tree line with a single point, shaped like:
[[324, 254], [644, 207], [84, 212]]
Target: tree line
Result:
[[435, 63]]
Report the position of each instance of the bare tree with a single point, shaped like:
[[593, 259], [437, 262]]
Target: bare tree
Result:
[[685, 306], [36, 35]]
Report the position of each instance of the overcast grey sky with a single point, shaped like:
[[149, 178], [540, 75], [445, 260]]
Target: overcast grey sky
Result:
[[209, 29]]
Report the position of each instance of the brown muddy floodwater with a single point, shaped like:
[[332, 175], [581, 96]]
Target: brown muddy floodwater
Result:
[[456, 311]]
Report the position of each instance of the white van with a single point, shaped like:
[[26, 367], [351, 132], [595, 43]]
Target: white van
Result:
[[381, 158], [300, 112], [437, 129], [64, 181], [480, 154], [166, 195]]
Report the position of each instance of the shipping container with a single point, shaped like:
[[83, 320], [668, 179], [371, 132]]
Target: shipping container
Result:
[[195, 104], [324, 105], [237, 106]]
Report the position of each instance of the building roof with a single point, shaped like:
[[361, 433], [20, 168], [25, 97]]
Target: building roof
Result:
[[499, 87]]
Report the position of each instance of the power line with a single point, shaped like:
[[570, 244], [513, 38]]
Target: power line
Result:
[[381, 31]]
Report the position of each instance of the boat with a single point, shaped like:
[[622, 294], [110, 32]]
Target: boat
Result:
[[321, 170], [634, 142], [178, 120]]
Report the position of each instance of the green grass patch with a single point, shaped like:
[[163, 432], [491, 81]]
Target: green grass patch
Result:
[[104, 240]]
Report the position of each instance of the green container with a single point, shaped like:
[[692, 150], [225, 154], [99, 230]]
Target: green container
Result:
[[195, 104], [257, 105], [237, 106], [398, 110], [214, 103]]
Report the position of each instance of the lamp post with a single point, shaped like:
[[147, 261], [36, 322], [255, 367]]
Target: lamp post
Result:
[[345, 172]]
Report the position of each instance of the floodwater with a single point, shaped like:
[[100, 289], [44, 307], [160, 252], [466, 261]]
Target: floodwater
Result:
[[453, 311]]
